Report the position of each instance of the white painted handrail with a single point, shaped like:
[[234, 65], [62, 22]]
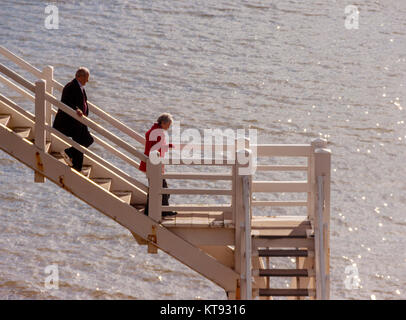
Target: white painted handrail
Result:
[[280, 186], [47, 128], [18, 89], [96, 127], [17, 107], [55, 84], [99, 159], [110, 148], [84, 120], [283, 150], [20, 62]]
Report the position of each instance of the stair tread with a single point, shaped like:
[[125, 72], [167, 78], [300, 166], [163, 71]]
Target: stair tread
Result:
[[286, 292], [280, 233], [282, 253], [47, 144], [4, 119], [283, 273], [102, 179], [103, 182], [283, 242], [21, 129], [139, 206], [198, 219], [23, 132], [123, 195], [86, 170]]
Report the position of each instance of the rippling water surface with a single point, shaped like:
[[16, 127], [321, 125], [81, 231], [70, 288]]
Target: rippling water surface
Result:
[[289, 69]]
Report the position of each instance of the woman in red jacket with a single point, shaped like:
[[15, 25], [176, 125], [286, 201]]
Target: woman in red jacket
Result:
[[163, 123]]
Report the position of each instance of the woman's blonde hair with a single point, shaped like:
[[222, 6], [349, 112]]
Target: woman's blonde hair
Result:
[[165, 118]]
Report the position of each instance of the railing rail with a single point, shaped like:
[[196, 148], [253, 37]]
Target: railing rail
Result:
[[84, 120], [56, 85], [44, 129]]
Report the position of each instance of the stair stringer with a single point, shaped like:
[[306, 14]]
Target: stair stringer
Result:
[[19, 119], [114, 208]]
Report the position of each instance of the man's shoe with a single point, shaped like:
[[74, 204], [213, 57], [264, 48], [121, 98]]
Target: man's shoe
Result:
[[169, 213], [67, 159]]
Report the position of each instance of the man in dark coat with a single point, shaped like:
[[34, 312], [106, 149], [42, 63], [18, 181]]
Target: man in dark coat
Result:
[[74, 96]]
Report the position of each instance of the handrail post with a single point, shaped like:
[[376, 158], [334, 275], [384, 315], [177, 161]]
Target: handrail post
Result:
[[40, 141], [322, 171], [154, 173], [242, 251], [48, 74], [240, 144], [247, 183]]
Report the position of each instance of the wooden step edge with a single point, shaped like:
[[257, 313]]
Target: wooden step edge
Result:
[[283, 253], [138, 206], [86, 170], [125, 196], [103, 182], [282, 273], [4, 119], [23, 132], [280, 253], [47, 145], [286, 292]]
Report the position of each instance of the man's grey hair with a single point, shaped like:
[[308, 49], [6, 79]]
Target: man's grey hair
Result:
[[165, 118], [82, 71]]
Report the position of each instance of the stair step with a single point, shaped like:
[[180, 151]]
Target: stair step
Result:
[[283, 273], [282, 253], [282, 242], [4, 119], [47, 144], [281, 232], [86, 171], [286, 292], [103, 182], [139, 207], [23, 132], [58, 157], [123, 195]]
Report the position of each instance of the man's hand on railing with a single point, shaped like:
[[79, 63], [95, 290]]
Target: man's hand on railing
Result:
[[79, 112]]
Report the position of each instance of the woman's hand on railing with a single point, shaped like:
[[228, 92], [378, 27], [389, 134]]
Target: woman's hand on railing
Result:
[[79, 112]]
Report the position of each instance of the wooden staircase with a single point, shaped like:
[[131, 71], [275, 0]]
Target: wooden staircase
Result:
[[290, 238], [225, 243], [106, 191]]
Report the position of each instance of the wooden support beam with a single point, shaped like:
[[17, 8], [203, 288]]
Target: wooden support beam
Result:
[[40, 123]]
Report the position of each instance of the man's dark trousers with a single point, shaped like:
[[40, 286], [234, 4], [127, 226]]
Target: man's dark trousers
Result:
[[76, 155]]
